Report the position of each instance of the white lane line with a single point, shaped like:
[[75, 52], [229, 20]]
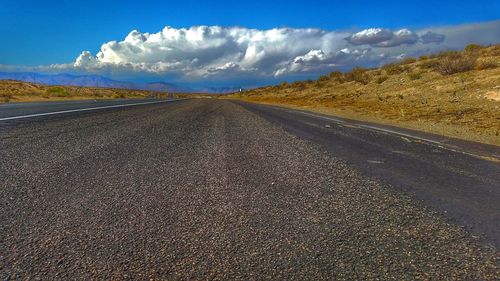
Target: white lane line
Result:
[[338, 121], [398, 133], [83, 109], [388, 131], [322, 117]]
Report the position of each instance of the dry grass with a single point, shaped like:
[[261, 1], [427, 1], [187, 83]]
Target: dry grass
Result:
[[455, 62], [455, 97]]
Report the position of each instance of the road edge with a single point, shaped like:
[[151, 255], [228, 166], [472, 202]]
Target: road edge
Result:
[[484, 151]]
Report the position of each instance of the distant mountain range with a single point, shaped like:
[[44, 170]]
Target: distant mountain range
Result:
[[103, 82]]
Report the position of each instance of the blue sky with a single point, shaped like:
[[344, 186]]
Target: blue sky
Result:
[[56, 32]]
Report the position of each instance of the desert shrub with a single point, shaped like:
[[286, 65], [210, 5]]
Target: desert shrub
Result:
[[274, 88], [118, 95], [284, 84], [337, 76], [381, 79], [492, 51], [5, 97], [359, 75], [393, 68], [408, 61], [421, 58], [319, 84], [415, 75], [450, 54], [57, 92], [473, 48], [455, 62], [423, 99], [429, 64], [323, 78], [299, 85], [485, 64]]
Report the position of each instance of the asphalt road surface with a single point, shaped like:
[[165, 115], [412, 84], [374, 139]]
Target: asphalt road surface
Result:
[[211, 189], [22, 110]]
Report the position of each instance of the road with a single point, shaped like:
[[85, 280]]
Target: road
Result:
[[23, 110], [212, 189]]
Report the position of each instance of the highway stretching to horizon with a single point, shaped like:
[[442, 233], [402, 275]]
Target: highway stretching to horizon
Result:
[[219, 189]]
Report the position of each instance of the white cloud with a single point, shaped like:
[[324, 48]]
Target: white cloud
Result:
[[202, 53], [207, 51], [317, 61], [370, 36], [400, 37], [312, 59], [379, 37], [85, 59]]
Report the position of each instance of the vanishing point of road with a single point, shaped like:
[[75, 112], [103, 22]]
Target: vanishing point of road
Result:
[[216, 189]]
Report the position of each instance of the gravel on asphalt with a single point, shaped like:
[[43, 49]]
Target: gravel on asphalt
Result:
[[204, 189]]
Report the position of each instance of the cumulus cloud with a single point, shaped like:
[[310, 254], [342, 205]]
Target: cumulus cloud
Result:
[[379, 37], [370, 36], [203, 53], [317, 60], [400, 37], [85, 59], [312, 59]]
